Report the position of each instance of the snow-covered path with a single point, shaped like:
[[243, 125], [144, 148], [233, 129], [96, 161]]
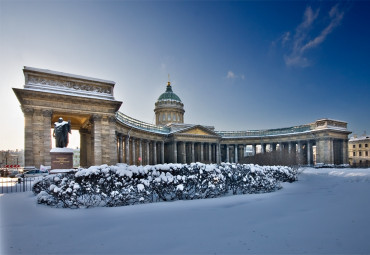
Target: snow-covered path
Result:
[[326, 211]]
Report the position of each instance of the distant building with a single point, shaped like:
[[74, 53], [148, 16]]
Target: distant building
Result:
[[11, 157], [359, 150]]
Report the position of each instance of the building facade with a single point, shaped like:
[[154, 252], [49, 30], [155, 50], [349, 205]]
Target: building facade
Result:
[[359, 151], [108, 136]]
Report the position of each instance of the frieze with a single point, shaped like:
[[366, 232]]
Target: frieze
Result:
[[68, 85]]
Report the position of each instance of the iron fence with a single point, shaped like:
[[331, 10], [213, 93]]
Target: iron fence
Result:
[[11, 185]]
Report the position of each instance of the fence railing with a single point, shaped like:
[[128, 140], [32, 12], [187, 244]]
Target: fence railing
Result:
[[140, 124], [267, 132], [11, 185]]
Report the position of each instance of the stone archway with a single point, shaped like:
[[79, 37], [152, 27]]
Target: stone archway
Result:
[[87, 102]]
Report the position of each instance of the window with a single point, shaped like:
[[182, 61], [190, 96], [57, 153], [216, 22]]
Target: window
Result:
[[359, 153], [366, 153], [366, 145], [354, 146], [354, 153], [359, 146]]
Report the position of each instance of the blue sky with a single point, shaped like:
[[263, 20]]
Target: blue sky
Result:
[[236, 65]]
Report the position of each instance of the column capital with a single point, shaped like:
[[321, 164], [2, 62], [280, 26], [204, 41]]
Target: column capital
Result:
[[96, 117], [27, 110], [112, 119], [47, 113]]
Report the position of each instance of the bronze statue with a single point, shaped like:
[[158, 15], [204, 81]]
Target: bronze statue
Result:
[[61, 130]]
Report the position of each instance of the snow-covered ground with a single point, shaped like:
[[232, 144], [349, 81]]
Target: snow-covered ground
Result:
[[326, 212]]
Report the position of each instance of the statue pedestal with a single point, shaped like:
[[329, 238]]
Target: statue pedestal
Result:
[[61, 158]]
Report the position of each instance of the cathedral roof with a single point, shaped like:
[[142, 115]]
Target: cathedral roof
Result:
[[169, 95]]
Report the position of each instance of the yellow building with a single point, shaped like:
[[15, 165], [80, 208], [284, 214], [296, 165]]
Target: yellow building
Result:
[[359, 151]]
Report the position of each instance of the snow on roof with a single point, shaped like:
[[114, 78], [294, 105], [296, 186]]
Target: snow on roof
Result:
[[353, 139], [74, 93], [27, 68]]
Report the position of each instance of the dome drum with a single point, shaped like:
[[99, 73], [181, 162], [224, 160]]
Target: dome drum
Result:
[[169, 108]]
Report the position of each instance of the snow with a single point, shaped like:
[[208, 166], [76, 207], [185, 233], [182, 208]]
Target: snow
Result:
[[57, 171], [68, 75], [325, 212], [62, 150]]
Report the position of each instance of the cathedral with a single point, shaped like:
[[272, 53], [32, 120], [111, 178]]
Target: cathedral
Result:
[[107, 136]]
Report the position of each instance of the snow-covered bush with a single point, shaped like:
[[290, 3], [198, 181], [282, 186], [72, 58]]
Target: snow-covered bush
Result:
[[127, 185]]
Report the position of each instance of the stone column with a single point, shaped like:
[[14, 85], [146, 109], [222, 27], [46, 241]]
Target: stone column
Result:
[[133, 151], [120, 147], [141, 152], [254, 149], [111, 142], [227, 153], [38, 141], [273, 146], [97, 142], [183, 152], [175, 152], [83, 147], [309, 156], [192, 152], [47, 136], [127, 149], [28, 136], [201, 153], [147, 153], [345, 151], [89, 148], [324, 151], [210, 153], [289, 148], [162, 152], [154, 152], [263, 148], [218, 153], [299, 152], [236, 153]]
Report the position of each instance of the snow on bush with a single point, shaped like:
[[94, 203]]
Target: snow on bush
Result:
[[127, 185]]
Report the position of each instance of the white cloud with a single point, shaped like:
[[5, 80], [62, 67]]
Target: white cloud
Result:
[[301, 42], [336, 17], [230, 75]]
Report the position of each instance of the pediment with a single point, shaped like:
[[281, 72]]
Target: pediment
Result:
[[197, 130]]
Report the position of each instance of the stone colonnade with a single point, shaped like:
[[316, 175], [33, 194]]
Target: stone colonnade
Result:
[[328, 150], [139, 151], [186, 152]]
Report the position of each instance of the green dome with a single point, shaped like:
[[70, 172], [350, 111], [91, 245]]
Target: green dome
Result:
[[169, 95]]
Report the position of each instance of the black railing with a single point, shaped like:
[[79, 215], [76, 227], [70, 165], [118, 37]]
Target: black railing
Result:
[[11, 185]]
